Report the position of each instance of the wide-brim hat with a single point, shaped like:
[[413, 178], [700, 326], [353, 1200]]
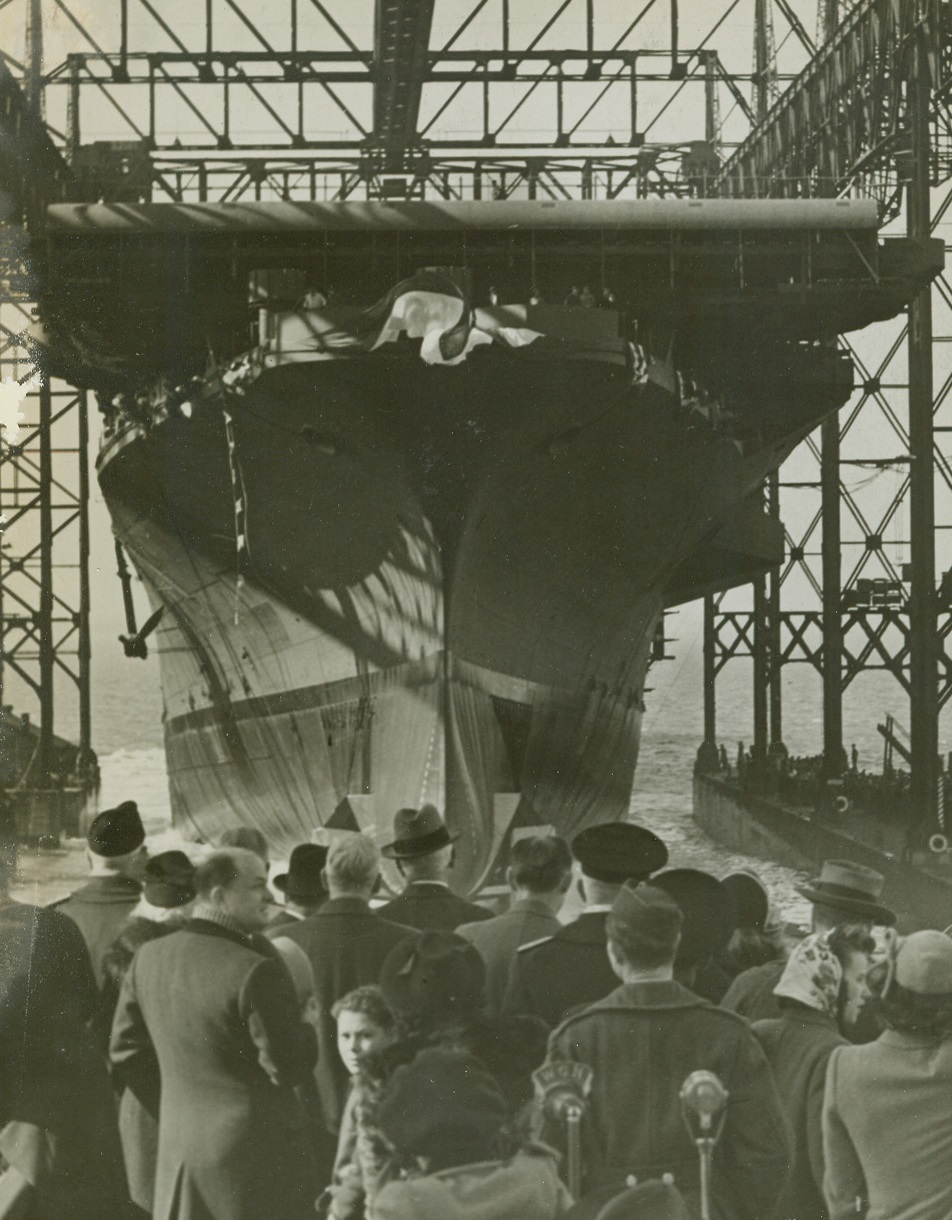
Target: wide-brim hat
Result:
[[116, 832], [709, 911], [417, 832], [169, 880], [619, 851], [303, 878], [851, 888]]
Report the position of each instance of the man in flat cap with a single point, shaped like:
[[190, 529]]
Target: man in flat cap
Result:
[[642, 1042], [422, 848], [558, 973], [116, 854], [844, 895]]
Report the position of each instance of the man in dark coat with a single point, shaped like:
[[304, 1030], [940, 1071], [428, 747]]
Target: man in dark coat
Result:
[[554, 975], [115, 851], [168, 888], [539, 874], [223, 1023], [57, 1113], [423, 850], [346, 944], [642, 1042], [844, 895]]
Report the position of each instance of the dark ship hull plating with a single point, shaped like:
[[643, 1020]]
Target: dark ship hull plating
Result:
[[453, 580]]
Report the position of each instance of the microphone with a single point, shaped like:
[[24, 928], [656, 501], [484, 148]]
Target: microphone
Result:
[[704, 1095]]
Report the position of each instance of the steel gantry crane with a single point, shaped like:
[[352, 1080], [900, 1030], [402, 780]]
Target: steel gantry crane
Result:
[[323, 100]]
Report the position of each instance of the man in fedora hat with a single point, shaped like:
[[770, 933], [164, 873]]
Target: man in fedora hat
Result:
[[422, 848], [560, 972], [116, 854], [302, 885], [346, 944], [844, 894]]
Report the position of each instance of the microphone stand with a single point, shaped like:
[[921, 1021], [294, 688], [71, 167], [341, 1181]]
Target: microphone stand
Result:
[[703, 1105], [561, 1091]]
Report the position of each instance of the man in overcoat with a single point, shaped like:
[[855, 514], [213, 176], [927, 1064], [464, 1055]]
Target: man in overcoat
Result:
[[642, 1042], [116, 854], [58, 1128], [422, 848], [539, 874], [346, 944], [549, 977], [223, 1023]]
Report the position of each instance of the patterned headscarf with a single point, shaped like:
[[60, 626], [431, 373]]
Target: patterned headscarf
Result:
[[813, 975]]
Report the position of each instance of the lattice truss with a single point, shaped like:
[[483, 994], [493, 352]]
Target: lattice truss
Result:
[[44, 595], [874, 493], [229, 99]]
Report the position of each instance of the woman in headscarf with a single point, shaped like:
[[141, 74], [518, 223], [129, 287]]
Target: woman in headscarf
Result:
[[887, 1118], [821, 993]]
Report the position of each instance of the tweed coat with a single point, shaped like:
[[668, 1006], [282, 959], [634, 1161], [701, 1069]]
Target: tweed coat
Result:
[[56, 1105], [223, 1024], [346, 944], [497, 939], [550, 978], [431, 907], [798, 1046], [100, 909], [887, 1129], [642, 1042]]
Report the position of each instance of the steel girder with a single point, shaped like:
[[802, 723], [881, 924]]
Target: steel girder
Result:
[[843, 122]]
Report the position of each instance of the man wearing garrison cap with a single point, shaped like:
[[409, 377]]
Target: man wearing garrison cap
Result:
[[422, 849], [642, 1042], [558, 973], [116, 854]]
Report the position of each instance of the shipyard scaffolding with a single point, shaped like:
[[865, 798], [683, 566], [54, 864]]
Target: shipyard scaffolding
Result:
[[391, 101], [869, 576]]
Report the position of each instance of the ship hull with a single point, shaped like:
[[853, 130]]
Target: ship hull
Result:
[[387, 583]]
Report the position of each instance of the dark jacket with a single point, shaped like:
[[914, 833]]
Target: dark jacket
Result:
[[100, 909], [571, 968], [497, 939], [222, 1022], [429, 906], [56, 1106], [346, 944], [138, 1126], [751, 993], [642, 1042], [798, 1046]]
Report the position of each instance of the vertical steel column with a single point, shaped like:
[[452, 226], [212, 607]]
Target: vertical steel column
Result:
[[710, 674], [832, 596], [761, 669], [924, 645], [775, 670], [84, 673], [44, 612]]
